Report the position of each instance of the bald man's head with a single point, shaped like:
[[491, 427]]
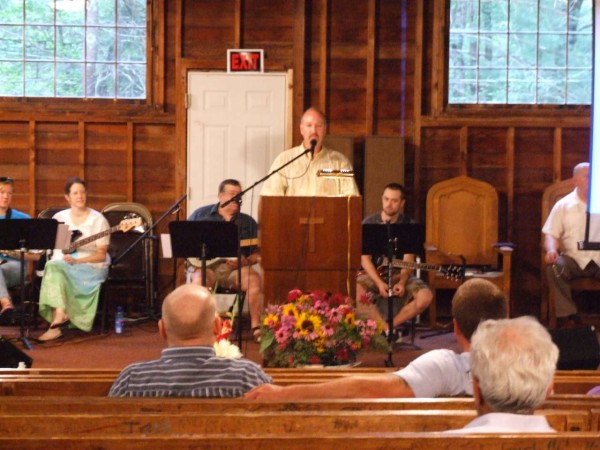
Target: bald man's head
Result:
[[188, 315]]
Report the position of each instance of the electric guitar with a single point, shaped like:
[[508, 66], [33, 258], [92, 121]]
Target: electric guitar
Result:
[[124, 225], [197, 262], [451, 272]]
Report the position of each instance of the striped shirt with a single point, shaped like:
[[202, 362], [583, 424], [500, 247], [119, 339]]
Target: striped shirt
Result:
[[189, 372]]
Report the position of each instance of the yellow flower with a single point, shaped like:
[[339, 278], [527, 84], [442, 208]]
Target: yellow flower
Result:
[[290, 310], [270, 320], [307, 324], [350, 319]]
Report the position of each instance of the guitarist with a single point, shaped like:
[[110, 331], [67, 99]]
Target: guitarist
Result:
[[71, 285], [224, 272], [411, 296], [10, 266]]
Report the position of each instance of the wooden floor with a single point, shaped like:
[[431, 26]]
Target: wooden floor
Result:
[[141, 341]]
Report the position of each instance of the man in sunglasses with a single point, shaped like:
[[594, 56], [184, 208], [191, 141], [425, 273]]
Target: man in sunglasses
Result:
[[223, 272], [10, 267]]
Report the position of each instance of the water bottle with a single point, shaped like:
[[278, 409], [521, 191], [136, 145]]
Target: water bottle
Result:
[[119, 320]]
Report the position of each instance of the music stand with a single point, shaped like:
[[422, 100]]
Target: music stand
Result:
[[22, 235], [392, 240], [207, 239]]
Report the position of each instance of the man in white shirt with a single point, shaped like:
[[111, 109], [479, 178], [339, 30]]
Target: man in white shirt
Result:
[[300, 178], [564, 227], [437, 373], [512, 363]]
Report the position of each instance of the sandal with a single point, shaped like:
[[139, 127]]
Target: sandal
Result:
[[256, 334], [7, 307], [50, 335]]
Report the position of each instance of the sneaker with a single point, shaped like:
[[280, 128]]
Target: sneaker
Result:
[[396, 336]]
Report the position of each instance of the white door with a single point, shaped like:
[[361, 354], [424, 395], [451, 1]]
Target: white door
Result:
[[237, 124]]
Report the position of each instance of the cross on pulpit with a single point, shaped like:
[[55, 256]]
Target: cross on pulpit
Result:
[[311, 222]]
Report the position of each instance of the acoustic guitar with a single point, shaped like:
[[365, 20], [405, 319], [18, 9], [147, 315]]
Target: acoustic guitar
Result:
[[197, 262]]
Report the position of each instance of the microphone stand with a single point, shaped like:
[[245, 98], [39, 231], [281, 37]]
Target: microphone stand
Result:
[[174, 208], [237, 198], [391, 251]]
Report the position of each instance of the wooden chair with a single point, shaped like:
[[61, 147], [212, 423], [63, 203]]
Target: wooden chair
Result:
[[136, 269], [462, 222], [552, 194]]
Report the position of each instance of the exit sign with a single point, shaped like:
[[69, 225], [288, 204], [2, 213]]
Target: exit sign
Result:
[[245, 60]]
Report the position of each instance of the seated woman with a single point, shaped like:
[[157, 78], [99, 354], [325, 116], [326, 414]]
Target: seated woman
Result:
[[10, 266], [71, 284]]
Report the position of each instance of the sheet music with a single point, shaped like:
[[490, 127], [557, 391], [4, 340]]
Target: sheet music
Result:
[[63, 236], [165, 244]]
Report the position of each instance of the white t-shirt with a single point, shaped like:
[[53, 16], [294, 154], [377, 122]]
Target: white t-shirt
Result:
[[566, 222], [94, 223], [301, 178], [506, 423], [439, 373]]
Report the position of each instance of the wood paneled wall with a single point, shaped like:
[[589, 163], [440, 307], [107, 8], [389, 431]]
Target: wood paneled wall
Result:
[[376, 67]]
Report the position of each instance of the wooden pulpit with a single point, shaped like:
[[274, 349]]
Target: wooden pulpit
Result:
[[309, 243]]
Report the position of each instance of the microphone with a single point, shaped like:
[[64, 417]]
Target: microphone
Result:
[[311, 150], [235, 198]]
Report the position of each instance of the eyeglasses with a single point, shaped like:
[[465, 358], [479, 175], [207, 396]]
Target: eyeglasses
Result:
[[8, 180]]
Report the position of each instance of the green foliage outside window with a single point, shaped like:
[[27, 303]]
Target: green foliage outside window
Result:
[[73, 48], [520, 52]]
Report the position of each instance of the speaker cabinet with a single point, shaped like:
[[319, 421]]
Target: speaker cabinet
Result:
[[11, 356], [579, 348]]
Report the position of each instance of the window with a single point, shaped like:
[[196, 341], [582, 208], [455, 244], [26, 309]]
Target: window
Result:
[[520, 52], [73, 48]]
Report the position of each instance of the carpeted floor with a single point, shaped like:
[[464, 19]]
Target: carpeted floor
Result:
[[141, 341]]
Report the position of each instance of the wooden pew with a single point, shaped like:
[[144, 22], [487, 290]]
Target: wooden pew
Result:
[[98, 381], [354, 441], [14, 405], [101, 405], [271, 422], [90, 385]]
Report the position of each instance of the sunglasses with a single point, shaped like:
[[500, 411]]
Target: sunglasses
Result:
[[6, 180]]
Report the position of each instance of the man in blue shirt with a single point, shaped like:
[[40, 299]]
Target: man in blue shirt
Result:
[[223, 272], [10, 267]]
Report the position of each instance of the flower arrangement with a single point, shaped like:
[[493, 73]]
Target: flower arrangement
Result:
[[316, 328], [223, 347]]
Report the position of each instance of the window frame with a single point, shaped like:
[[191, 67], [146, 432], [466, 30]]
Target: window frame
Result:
[[440, 77], [155, 72]]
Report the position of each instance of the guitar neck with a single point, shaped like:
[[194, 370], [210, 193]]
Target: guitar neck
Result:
[[75, 245], [415, 265]]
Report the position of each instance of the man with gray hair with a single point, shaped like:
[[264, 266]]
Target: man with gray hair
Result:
[[189, 366], [512, 364]]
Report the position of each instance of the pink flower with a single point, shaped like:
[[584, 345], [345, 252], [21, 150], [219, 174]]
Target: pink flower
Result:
[[327, 329]]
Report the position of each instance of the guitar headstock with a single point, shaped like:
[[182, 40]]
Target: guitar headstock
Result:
[[131, 221], [454, 273]]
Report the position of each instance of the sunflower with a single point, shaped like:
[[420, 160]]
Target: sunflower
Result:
[[271, 320], [308, 324], [350, 319], [289, 310]]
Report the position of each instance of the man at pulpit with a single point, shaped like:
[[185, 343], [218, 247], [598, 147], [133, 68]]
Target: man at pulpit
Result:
[[223, 271], [411, 295], [301, 177]]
